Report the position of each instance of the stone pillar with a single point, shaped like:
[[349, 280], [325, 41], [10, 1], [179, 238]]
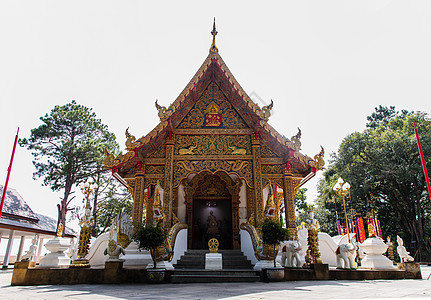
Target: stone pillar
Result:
[[8, 249], [39, 250], [21, 246], [169, 173], [290, 187], [257, 179]]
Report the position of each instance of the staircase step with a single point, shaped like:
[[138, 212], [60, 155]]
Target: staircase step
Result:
[[195, 259]]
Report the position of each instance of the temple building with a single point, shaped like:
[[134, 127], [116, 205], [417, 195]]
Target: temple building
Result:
[[213, 160]]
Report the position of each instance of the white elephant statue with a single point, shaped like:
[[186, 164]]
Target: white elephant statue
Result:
[[402, 252], [346, 256], [290, 255]]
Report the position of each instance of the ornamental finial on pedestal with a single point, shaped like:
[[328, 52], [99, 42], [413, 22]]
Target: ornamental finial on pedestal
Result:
[[214, 33]]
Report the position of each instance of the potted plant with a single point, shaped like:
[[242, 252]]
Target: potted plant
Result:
[[272, 234], [151, 237]]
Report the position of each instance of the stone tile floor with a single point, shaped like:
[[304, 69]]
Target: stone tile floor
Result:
[[342, 289]]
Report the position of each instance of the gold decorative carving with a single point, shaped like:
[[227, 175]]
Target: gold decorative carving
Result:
[[272, 169], [169, 166], [242, 168], [290, 187], [163, 112], [152, 169], [131, 185], [265, 112], [138, 198], [257, 174], [195, 119], [131, 142], [112, 161], [213, 245], [236, 150], [296, 140], [159, 153], [318, 162], [213, 144], [213, 131], [233, 187], [267, 152], [186, 151]]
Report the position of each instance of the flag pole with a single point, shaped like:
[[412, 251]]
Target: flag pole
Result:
[[424, 163], [8, 172]]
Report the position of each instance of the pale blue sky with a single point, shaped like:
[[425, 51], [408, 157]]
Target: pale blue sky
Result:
[[326, 65]]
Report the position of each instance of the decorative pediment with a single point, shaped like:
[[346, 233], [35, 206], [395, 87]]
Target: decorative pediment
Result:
[[211, 110]]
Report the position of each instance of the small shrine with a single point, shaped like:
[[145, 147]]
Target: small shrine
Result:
[[215, 159]]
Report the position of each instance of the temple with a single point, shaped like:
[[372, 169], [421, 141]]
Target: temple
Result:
[[213, 162]]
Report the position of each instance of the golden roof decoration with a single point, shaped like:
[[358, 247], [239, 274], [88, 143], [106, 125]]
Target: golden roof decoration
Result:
[[265, 112], [112, 161], [164, 113], [131, 142], [214, 32], [262, 114]]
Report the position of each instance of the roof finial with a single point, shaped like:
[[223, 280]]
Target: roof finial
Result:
[[214, 33]]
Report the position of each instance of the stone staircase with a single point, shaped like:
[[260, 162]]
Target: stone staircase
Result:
[[191, 268]]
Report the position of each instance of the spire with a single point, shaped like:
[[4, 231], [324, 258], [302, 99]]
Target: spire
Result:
[[214, 33]]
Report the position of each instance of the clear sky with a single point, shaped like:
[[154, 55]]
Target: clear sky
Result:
[[326, 65]]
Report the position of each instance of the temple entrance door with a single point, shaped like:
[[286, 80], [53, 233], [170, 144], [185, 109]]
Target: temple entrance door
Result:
[[212, 214]]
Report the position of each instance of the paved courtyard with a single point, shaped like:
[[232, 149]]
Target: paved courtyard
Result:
[[342, 289]]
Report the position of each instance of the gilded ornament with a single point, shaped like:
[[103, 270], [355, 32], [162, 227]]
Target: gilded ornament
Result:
[[318, 162], [164, 113], [296, 140], [60, 230], [213, 245], [186, 151], [131, 142], [236, 150], [266, 111]]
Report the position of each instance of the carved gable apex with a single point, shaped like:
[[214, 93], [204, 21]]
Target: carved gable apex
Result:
[[212, 110]]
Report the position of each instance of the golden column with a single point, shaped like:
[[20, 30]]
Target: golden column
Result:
[[138, 195], [169, 173], [290, 187], [257, 179], [86, 222]]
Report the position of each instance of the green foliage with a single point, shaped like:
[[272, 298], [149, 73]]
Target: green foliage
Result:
[[68, 148], [149, 236], [112, 197], [272, 232], [383, 161], [301, 205]]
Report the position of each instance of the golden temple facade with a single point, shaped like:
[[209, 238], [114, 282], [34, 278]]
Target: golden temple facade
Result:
[[215, 159]]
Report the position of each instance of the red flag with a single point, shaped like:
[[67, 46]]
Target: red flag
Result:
[[8, 172], [424, 163]]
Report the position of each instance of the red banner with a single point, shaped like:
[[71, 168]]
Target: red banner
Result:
[[362, 236], [424, 163], [8, 172]]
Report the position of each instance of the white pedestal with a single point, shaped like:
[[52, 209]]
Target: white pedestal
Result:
[[264, 264], [374, 248], [161, 265], [213, 261], [57, 258], [134, 257]]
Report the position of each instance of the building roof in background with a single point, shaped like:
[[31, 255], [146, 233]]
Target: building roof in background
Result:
[[18, 215]]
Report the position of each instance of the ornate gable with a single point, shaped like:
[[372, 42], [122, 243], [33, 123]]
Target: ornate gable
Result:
[[212, 110], [214, 116]]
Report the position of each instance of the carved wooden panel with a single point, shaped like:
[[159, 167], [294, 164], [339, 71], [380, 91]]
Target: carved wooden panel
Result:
[[229, 116]]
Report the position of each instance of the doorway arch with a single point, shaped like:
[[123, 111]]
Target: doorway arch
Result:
[[219, 193]]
